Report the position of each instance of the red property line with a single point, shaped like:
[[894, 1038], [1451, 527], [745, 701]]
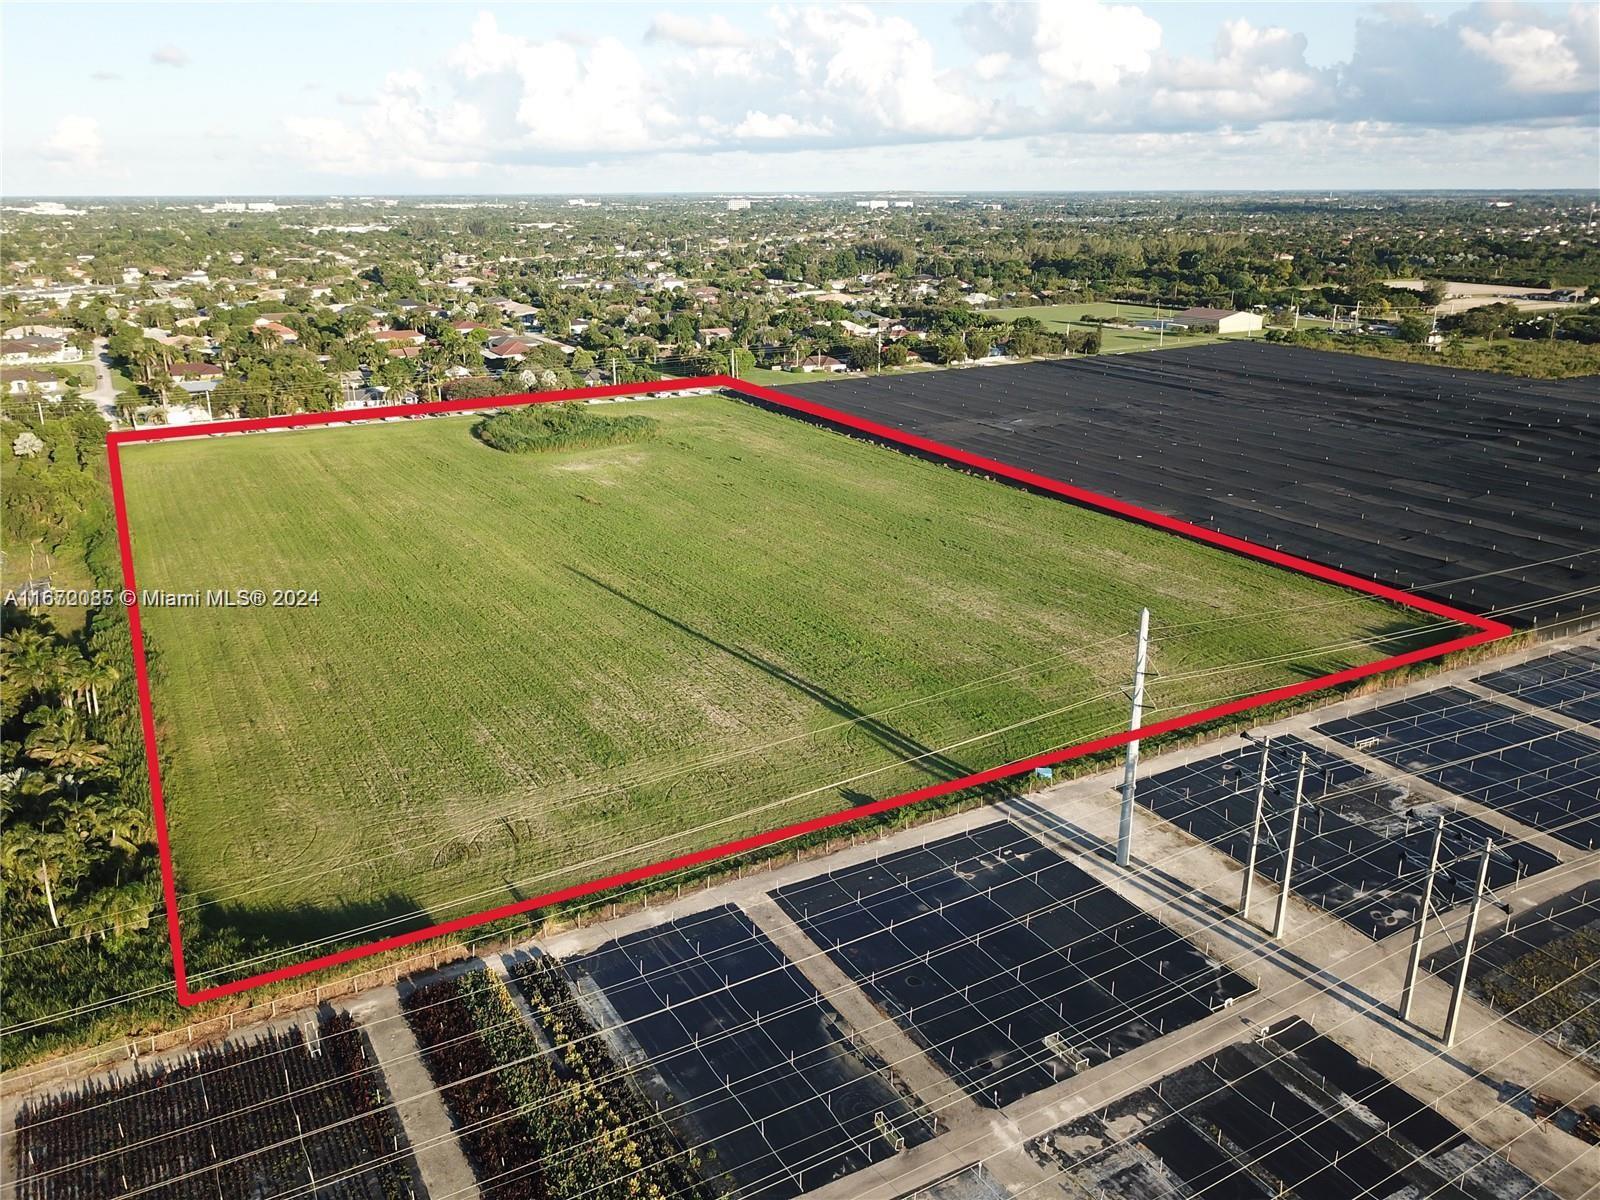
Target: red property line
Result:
[[1485, 630]]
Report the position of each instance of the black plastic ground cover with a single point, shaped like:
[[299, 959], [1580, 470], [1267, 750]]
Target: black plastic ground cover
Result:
[[1541, 774], [1364, 842], [1567, 682], [984, 943], [1293, 1114], [751, 1052], [1477, 489], [970, 1183]]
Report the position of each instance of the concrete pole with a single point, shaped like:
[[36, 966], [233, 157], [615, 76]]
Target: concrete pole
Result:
[[1414, 962], [1452, 1019], [1130, 765], [1255, 834], [1288, 855]]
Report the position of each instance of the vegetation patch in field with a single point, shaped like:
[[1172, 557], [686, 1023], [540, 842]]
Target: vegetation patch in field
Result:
[[536, 428], [1553, 990], [543, 1118]]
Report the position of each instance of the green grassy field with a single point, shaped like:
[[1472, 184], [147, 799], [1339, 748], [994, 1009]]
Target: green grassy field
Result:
[[529, 670], [1062, 317]]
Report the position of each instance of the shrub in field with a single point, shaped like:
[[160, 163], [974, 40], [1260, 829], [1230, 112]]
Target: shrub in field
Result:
[[533, 428], [535, 1123], [258, 1118], [497, 1139], [612, 1112]]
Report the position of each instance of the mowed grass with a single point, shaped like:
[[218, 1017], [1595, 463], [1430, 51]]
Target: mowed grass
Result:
[[526, 671]]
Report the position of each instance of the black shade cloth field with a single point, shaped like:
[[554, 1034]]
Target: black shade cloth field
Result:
[[1541, 774], [985, 943], [1542, 968], [1364, 846], [751, 1051], [970, 1183], [1292, 1114], [260, 1117], [1567, 682], [1410, 474]]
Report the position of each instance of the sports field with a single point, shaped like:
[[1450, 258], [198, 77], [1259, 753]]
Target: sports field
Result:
[[1061, 318], [525, 671]]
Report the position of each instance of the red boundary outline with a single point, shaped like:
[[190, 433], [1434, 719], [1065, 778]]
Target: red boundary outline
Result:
[[1485, 630]]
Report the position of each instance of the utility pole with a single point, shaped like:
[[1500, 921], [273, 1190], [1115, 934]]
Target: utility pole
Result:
[[1130, 765], [1288, 854], [1452, 1019], [1414, 962], [1255, 834]]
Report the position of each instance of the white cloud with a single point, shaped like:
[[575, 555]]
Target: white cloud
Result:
[[1065, 43], [1477, 66], [994, 66], [1534, 59], [169, 56], [1254, 74], [554, 96], [758, 125], [698, 32], [848, 76], [74, 144], [877, 69], [1083, 42]]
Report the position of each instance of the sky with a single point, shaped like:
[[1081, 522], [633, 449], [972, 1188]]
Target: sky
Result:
[[257, 99]]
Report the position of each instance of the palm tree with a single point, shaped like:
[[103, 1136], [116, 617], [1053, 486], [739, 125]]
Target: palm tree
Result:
[[30, 662], [62, 742], [72, 672], [110, 912], [27, 854], [100, 674]]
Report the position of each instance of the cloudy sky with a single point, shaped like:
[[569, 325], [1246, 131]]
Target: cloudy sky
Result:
[[274, 99]]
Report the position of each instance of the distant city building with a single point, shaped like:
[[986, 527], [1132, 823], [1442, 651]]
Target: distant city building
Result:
[[738, 205]]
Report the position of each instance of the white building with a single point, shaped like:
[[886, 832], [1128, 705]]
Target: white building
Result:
[[1219, 320]]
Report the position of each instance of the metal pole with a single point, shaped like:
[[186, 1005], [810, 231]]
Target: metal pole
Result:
[[1452, 1019], [1288, 854], [1414, 962], [1130, 765], [1255, 835]]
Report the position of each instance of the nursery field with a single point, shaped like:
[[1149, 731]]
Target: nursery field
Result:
[[512, 672]]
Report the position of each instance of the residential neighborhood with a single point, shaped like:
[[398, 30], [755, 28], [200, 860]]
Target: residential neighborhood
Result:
[[308, 304]]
